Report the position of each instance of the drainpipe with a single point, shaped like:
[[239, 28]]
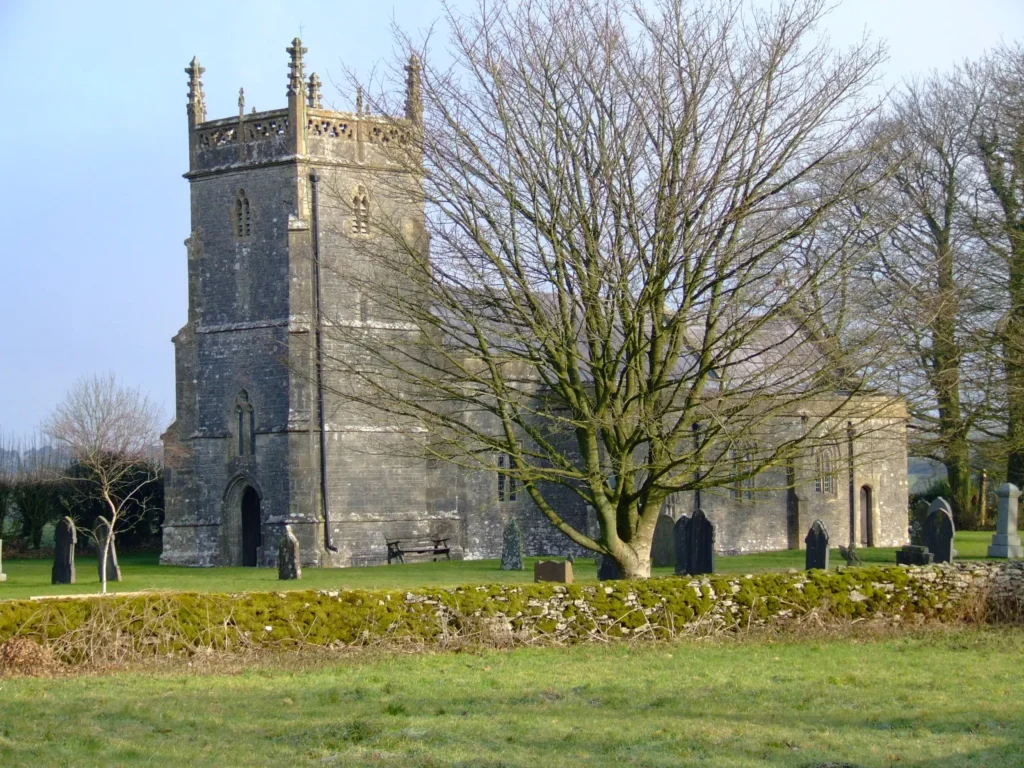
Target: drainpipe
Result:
[[318, 341]]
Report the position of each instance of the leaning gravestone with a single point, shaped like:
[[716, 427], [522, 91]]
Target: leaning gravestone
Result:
[[1006, 540], [817, 547], [102, 535], [512, 547], [64, 552], [607, 568], [553, 570], [663, 548], [939, 531], [288, 562], [695, 541]]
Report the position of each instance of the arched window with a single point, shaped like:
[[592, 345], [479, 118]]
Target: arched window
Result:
[[360, 212], [246, 417], [826, 478], [242, 217]]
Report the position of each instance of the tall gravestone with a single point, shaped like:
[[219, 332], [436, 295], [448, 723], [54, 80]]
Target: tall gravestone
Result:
[[1006, 540], [105, 542], [939, 531], [608, 569], [917, 520], [512, 547], [288, 561], [817, 547], [695, 545], [65, 539], [3, 576], [663, 548]]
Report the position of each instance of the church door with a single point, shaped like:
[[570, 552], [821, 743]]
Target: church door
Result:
[[252, 536], [866, 517]]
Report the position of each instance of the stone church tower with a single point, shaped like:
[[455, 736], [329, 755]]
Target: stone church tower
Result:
[[278, 198]]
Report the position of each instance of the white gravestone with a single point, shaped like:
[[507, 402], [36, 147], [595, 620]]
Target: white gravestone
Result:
[[1006, 540]]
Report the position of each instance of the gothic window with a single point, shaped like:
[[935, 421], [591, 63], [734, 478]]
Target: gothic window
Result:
[[506, 483], [246, 417], [360, 212], [826, 477], [242, 217]]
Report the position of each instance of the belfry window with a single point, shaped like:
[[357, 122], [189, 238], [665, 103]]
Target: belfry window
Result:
[[506, 482], [242, 219], [826, 479], [360, 212], [246, 416]]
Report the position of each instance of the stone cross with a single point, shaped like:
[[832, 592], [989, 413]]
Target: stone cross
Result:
[[1006, 540], [939, 531], [663, 547], [695, 545], [3, 576], [289, 565], [512, 547], [817, 547], [608, 569], [102, 535], [553, 570], [64, 552]]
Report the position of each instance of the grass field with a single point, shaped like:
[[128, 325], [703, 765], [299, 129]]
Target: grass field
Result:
[[27, 577], [951, 698]]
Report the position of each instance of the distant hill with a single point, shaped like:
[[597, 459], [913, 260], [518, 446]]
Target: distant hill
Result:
[[923, 473]]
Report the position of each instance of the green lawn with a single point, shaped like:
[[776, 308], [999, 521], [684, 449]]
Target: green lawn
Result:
[[948, 699], [32, 577]]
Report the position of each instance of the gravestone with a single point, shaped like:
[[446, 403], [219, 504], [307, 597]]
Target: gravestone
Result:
[[917, 520], [1006, 540], [65, 539], [913, 554], [512, 547], [3, 576], [607, 568], [553, 570], [817, 547], [289, 564], [695, 544], [939, 531], [663, 548], [102, 534]]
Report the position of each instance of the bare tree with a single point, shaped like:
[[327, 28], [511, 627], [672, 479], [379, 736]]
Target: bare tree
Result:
[[616, 198], [110, 432], [929, 272], [9, 457], [997, 84]]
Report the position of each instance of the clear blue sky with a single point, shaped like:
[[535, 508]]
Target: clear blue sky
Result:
[[93, 209]]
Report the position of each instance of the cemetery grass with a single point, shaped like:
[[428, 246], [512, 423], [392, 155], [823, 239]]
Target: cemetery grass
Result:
[[923, 699], [31, 577]]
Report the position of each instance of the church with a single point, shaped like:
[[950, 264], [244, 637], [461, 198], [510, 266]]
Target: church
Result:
[[257, 445]]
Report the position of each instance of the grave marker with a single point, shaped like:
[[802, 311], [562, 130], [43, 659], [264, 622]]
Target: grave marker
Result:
[[102, 534], [939, 531], [817, 547], [663, 548], [608, 569], [288, 562], [512, 547], [64, 552], [1006, 539], [553, 570], [695, 545]]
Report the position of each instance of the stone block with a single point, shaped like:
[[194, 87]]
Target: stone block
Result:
[[1006, 539], [553, 570]]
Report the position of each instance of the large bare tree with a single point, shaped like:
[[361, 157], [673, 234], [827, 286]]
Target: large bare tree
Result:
[[110, 433], [610, 288]]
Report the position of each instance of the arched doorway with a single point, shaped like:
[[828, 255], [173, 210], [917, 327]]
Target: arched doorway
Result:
[[252, 534], [866, 516]]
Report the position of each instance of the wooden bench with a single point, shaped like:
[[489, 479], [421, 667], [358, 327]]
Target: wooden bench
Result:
[[399, 548]]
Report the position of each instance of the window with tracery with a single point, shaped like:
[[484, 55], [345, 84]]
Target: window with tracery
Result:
[[361, 212], [243, 216], [826, 478], [506, 482], [246, 416]]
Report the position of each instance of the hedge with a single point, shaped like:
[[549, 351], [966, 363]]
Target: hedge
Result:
[[81, 629]]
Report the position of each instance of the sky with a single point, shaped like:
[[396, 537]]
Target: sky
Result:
[[93, 206]]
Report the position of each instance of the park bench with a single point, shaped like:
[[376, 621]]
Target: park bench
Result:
[[399, 548]]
